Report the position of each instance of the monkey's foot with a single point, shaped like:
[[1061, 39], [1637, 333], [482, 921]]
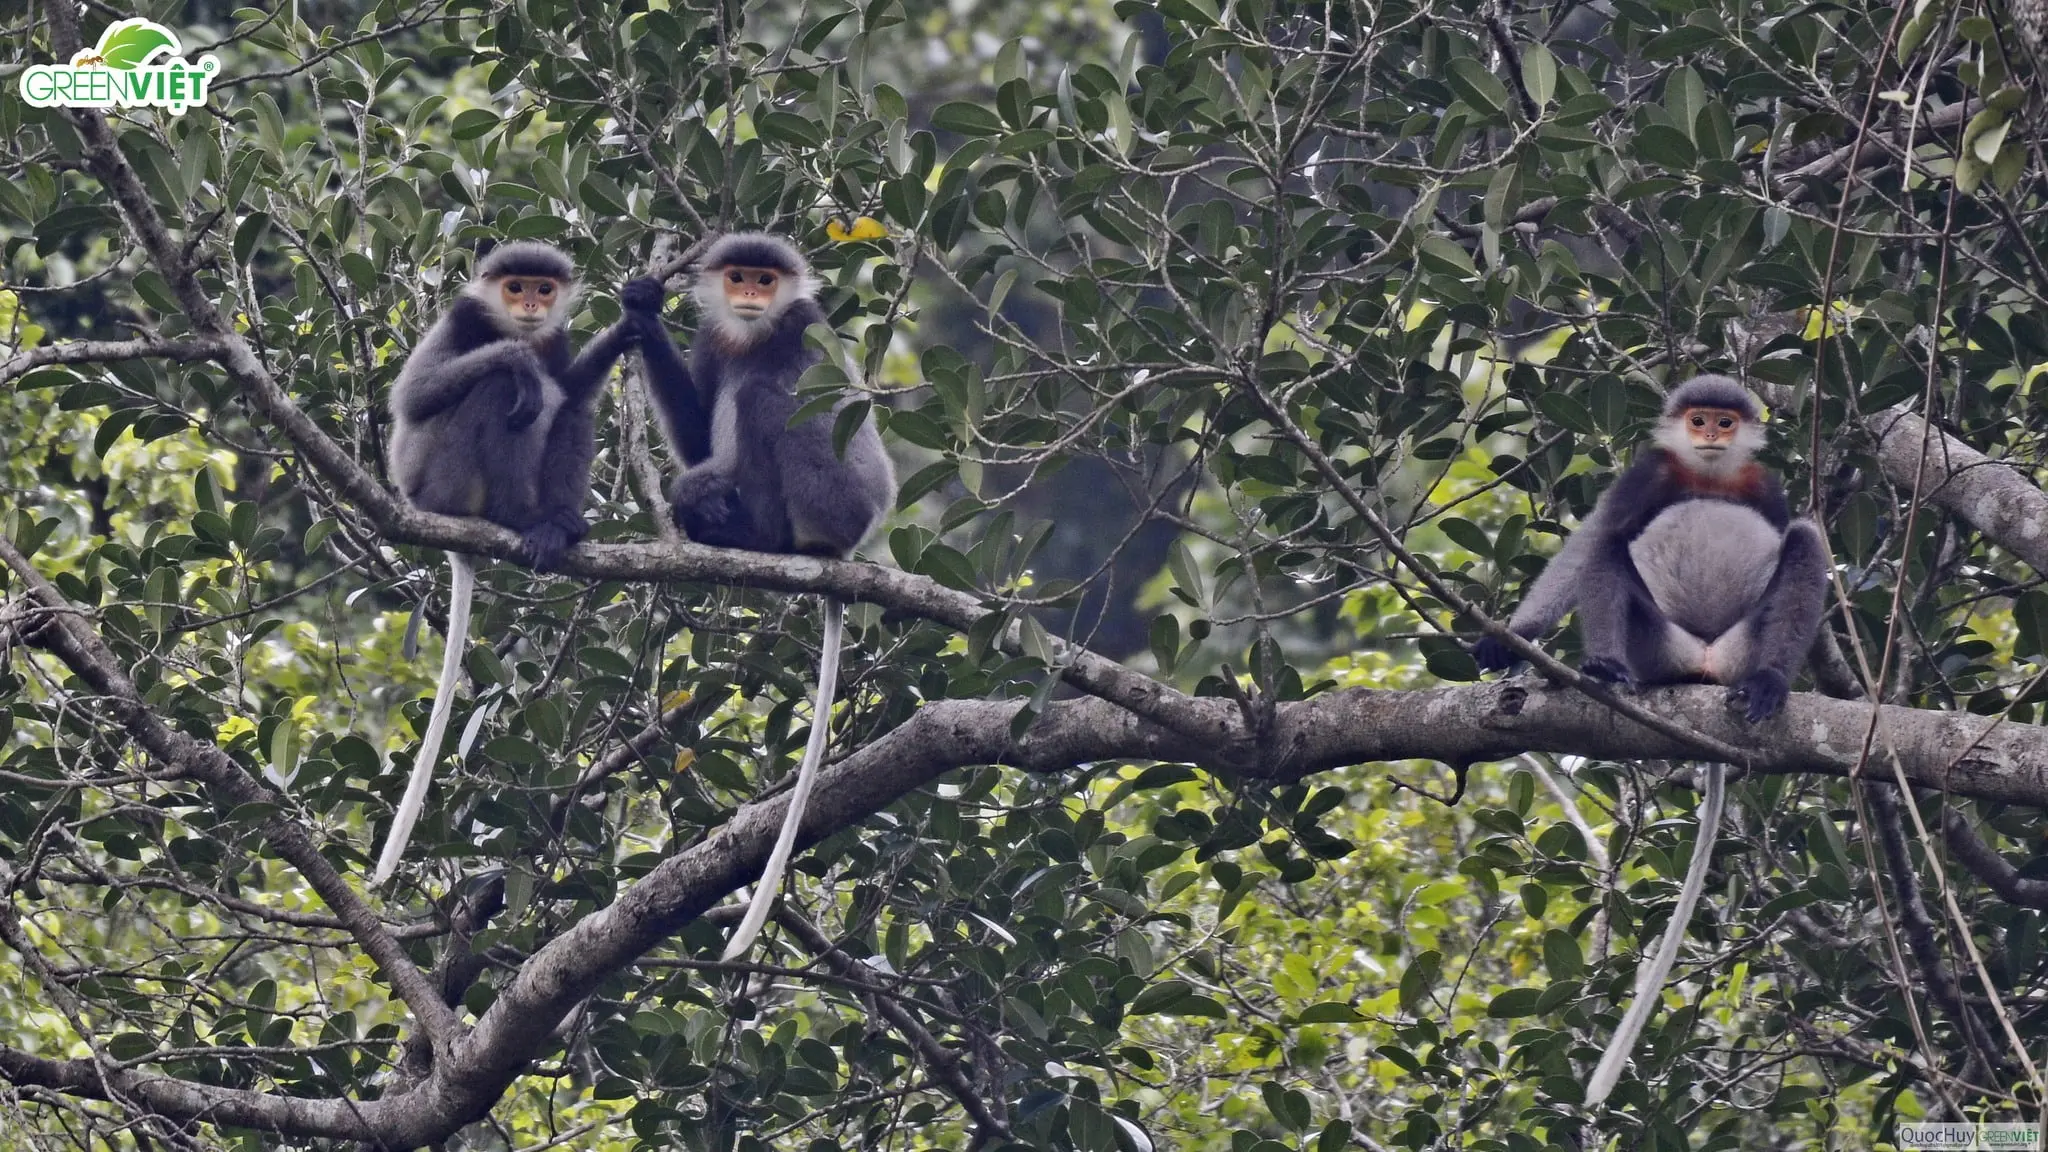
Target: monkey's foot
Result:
[[1492, 654], [542, 546], [1612, 671], [1764, 692], [705, 505]]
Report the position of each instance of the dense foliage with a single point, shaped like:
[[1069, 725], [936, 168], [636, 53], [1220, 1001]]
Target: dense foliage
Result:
[[1238, 359]]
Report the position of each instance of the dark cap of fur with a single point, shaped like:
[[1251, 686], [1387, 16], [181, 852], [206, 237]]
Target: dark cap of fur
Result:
[[526, 258], [1712, 392], [755, 250]]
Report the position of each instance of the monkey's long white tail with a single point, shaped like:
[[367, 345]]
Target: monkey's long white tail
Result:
[[806, 776], [461, 583], [1650, 981]]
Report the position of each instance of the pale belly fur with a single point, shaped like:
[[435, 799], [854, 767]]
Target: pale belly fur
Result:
[[1707, 563]]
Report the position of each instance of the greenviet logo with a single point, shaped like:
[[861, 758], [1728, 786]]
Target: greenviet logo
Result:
[[137, 64]]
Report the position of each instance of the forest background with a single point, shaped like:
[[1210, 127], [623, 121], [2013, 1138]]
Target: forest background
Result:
[[1239, 357]]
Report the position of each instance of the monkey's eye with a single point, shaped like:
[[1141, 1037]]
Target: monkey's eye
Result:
[[1699, 421], [767, 279], [545, 288], [1727, 422], [736, 277]]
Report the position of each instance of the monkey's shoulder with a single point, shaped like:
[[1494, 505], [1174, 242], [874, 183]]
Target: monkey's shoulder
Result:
[[467, 325]]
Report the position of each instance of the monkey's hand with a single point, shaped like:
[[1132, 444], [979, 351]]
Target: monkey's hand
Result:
[[1492, 654], [702, 501], [641, 299], [526, 372], [1763, 690], [1609, 669], [642, 295], [542, 546]]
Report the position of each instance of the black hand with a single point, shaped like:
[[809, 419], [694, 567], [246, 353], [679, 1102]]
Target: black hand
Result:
[[526, 392], [641, 299], [642, 295], [1492, 654], [1603, 668]]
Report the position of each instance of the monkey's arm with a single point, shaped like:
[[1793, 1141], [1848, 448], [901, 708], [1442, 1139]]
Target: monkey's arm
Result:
[[1544, 602], [581, 378], [705, 495], [1556, 590], [683, 418], [429, 385]]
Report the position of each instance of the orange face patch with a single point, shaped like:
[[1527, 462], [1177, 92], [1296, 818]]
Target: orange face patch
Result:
[[1711, 428], [749, 291], [529, 299]]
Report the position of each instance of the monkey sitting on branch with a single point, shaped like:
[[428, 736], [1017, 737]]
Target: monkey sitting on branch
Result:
[[1690, 568], [751, 479], [495, 418]]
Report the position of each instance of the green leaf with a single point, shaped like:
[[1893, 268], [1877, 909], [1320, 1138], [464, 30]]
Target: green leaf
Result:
[[1466, 535], [1569, 411], [473, 123], [1539, 73], [1288, 1106], [948, 566], [1561, 954], [1787, 901], [1329, 1012], [1477, 85], [131, 43], [1513, 1003], [790, 128], [967, 119], [1666, 147], [1161, 996], [250, 234], [1680, 42]]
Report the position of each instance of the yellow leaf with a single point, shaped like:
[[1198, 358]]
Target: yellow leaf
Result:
[[675, 699], [862, 228], [684, 758]]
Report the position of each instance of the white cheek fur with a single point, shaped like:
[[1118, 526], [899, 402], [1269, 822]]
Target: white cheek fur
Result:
[[1671, 435]]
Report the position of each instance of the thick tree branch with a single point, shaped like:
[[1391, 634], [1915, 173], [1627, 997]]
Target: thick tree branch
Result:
[[1966, 754], [1992, 496]]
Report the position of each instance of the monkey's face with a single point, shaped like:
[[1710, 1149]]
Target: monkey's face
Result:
[[750, 293], [1712, 440], [530, 302]]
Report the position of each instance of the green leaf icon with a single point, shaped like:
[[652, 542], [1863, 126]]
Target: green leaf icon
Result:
[[131, 43]]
